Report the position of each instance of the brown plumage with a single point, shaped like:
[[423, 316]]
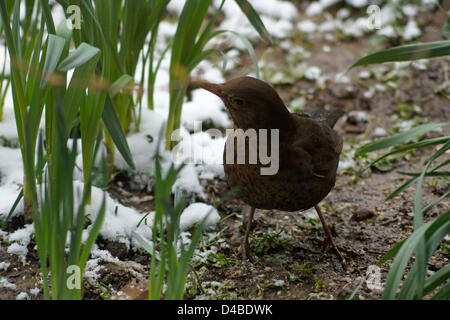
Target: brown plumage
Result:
[[308, 151]]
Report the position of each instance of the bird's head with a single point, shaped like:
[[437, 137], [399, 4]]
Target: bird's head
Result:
[[252, 103]]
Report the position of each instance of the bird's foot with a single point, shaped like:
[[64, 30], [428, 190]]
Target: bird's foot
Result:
[[244, 252], [330, 246]]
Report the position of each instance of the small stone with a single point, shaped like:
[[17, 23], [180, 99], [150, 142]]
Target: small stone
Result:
[[362, 214]]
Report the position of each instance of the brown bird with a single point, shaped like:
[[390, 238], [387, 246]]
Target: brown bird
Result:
[[308, 151]]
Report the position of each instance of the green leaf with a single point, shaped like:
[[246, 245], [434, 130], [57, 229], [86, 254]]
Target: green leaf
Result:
[[78, 57], [435, 202], [405, 250], [443, 293], [391, 253], [399, 138], [76, 93], [446, 31], [199, 58], [404, 186], [13, 208], [384, 165], [254, 19], [55, 48], [418, 145], [145, 244], [65, 32], [428, 174], [93, 233], [119, 84], [47, 12], [114, 128], [251, 52], [437, 279], [406, 53]]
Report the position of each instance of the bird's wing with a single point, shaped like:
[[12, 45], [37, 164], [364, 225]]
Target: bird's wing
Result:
[[319, 142], [327, 119]]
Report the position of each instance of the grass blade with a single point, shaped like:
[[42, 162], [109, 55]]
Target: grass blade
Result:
[[418, 145], [406, 53], [78, 57], [47, 12], [437, 279], [119, 84], [405, 251], [399, 138], [115, 130], [55, 47], [254, 19], [443, 293], [432, 204]]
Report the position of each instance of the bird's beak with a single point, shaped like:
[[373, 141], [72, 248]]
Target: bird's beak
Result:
[[211, 87]]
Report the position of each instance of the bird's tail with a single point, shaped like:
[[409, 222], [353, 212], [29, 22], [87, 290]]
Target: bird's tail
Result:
[[330, 117]]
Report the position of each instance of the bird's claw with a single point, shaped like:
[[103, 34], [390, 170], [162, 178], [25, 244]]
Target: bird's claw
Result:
[[330, 246]]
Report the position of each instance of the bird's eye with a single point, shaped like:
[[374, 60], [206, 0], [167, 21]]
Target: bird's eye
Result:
[[237, 101]]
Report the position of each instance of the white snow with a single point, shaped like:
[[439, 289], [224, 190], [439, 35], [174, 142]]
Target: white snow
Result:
[[369, 93], [23, 296], [358, 3], [35, 291], [4, 283], [91, 271], [326, 49], [188, 182], [359, 116], [387, 31], [278, 283], [388, 14], [343, 13], [345, 164], [283, 10], [412, 31], [8, 129], [119, 222], [421, 64], [204, 107], [18, 250], [313, 73], [328, 26], [314, 8], [355, 28], [196, 212], [311, 214], [278, 28], [4, 265], [410, 10], [20, 240], [379, 132], [306, 26], [429, 4], [4, 56], [364, 74]]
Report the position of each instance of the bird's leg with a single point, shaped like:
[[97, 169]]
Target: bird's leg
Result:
[[329, 238], [244, 251]]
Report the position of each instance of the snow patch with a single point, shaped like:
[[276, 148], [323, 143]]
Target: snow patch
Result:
[[196, 212]]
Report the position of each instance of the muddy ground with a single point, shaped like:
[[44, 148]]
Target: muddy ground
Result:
[[290, 258]]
